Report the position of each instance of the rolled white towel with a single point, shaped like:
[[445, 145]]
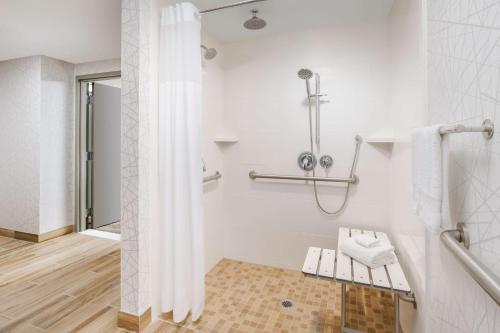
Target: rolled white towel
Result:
[[366, 240], [373, 257]]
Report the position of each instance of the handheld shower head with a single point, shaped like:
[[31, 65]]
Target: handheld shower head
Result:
[[306, 74]]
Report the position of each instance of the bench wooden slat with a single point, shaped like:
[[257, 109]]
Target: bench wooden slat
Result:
[[379, 274], [324, 263], [394, 270], [327, 264], [360, 271], [312, 260], [343, 269]]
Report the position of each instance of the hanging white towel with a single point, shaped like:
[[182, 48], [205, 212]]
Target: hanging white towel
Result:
[[430, 177], [373, 257], [180, 176]]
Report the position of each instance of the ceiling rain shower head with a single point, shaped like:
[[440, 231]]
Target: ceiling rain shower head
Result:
[[210, 53], [255, 23]]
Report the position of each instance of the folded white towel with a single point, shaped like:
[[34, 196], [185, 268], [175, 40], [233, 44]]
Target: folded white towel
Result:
[[366, 240], [430, 162], [372, 257]]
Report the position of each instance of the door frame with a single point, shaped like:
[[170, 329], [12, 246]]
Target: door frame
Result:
[[80, 132]]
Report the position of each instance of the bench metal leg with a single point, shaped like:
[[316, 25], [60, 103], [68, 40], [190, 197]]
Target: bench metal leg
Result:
[[396, 313], [343, 310]]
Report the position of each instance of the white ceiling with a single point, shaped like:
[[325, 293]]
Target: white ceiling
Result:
[[287, 15], [89, 30], [72, 30]]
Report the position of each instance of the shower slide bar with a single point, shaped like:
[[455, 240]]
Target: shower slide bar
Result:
[[210, 178], [488, 128], [351, 180], [488, 280]]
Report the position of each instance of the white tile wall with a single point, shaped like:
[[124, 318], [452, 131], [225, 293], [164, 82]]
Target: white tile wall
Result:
[[274, 223]]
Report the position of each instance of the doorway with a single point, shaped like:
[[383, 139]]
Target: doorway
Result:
[[99, 160]]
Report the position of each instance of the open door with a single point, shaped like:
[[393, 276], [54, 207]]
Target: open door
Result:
[[103, 125]]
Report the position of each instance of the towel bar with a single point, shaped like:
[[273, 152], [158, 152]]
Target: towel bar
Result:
[[487, 128]]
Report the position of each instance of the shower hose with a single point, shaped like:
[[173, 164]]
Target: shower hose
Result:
[[352, 172]]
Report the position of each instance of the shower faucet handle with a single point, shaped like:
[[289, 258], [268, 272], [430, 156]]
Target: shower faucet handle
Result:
[[307, 161]]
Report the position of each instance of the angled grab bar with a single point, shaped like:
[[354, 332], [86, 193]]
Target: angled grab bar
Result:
[[479, 272]]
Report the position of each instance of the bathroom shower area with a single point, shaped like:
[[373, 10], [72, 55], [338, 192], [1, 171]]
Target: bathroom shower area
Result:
[[301, 108]]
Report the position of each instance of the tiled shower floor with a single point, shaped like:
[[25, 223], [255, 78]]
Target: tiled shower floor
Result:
[[244, 297]]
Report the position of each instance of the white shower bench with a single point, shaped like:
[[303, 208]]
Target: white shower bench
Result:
[[334, 265]]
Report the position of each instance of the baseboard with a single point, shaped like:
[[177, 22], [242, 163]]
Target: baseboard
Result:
[[7, 233], [133, 322], [26, 236]]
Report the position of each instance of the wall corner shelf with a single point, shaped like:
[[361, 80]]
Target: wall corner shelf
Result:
[[226, 139], [380, 139]]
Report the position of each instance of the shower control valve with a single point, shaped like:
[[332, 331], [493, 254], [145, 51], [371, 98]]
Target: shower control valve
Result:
[[326, 161], [307, 161]]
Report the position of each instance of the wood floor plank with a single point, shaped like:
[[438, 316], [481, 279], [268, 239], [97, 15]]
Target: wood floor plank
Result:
[[77, 320], [71, 283], [104, 321]]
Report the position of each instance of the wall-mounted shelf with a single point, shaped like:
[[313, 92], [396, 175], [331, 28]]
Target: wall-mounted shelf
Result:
[[226, 139], [380, 139]]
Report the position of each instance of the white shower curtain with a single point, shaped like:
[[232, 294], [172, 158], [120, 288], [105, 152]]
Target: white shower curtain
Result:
[[180, 165]]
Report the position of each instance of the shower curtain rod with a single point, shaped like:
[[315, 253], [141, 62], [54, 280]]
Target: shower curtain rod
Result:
[[241, 3]]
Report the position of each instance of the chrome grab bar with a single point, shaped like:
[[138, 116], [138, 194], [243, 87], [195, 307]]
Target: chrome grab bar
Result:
[[352, 180], [488, 280], [488, 128], [215, 176]]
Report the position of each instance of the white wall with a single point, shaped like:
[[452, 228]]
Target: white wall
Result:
[[37, 119], [57, 153], [408, 105], [274, 223], [213, 107], [20, 113], [37, 128]]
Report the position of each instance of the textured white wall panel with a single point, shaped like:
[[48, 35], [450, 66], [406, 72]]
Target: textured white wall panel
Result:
[[20, 144], [57, 148], [135, 169], [464, 87]]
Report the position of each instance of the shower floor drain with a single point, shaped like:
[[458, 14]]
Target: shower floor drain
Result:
[[286, 303]]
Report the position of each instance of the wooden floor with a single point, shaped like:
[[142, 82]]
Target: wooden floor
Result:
[[68, 284]]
